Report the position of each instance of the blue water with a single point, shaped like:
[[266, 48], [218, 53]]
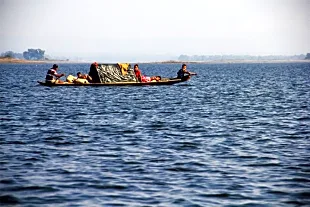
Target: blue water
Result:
[[234, 135]]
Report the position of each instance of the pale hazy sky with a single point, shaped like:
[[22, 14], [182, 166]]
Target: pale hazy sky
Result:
[[89, 28]]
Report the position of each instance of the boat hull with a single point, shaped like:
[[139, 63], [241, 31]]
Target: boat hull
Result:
[[166, 82]]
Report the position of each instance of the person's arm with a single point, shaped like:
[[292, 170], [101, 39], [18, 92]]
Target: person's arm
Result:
[[58, 75], [190, 73], [54, 73], [89, 77]]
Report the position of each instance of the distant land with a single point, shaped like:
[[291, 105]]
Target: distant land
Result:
[[15, 60], [23, 61], [39, 56], [29, 56], [226, 58]]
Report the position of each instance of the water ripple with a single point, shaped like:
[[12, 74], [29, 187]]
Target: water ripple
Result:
[[235, 135]]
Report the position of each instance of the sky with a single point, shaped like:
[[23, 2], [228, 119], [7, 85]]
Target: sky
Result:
[[133, 29]]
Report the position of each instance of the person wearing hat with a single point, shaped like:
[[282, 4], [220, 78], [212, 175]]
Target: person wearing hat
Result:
[[52, 76]]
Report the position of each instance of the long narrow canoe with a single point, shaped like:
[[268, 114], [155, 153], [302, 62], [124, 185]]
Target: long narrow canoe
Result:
[[162, 82]]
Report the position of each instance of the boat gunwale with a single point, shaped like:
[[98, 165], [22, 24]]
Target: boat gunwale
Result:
[[168, 82]]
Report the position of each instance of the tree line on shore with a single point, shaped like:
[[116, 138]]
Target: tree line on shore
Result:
[[39, 54], [30, 54], [241, 57]]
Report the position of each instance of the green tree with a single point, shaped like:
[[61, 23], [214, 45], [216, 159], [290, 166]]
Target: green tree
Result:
[[34, 54], [8, 54]]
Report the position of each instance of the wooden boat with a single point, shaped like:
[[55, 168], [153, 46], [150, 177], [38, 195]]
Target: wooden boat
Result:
[[166, 81], [119, 74]]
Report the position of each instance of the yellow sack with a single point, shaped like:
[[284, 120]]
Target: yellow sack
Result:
[[81, 81], [124, 67], [71, 78]]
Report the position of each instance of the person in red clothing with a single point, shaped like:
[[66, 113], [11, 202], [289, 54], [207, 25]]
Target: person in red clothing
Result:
[[137, 72]]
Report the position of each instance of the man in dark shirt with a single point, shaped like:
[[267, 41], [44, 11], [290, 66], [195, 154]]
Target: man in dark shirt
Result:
[[184, 74]]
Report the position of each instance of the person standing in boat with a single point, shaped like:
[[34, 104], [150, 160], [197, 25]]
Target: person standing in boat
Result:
[[137, 72], [52, 76], [184, 74]]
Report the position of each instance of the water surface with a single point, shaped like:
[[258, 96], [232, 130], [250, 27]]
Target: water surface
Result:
[[234, 135]]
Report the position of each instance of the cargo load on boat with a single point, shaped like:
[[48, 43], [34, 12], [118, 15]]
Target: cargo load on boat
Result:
[[112, 73]]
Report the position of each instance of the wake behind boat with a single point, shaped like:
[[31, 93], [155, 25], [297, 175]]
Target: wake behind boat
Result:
[[120, 74]]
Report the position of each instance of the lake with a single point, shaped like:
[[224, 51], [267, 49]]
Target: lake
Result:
[[234, 135]]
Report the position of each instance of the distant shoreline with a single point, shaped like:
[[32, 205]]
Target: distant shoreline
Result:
[[13, 60], [228, 61], [23, 61]]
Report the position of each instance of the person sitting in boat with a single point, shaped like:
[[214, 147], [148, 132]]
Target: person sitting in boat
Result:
[[93, 73], [146, 79], [137, 72], [80, 78], [184, 74], [84, 76], [155, 78], [52, 76]]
